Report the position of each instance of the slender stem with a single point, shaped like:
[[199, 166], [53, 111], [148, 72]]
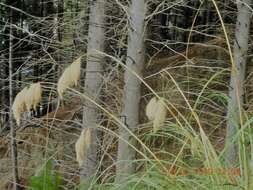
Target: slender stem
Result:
[[12, 126]]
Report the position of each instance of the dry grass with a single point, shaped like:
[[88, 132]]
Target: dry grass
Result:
[[19, 105], [69, 77], [160, 115], [151, 108], [26, 99], [156, 112], [82, 144], [33, 96]]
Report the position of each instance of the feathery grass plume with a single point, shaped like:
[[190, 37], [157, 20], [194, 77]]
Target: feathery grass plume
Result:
[[33, 96], [69, 77], [25, 99], [82, 144], [19, 105], [156, 112], [160, 115], [151, 108]]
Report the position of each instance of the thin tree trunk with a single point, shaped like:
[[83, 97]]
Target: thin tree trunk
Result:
[[93, 82], [12, 126], [132, 88], [236, 90], [57, 33], [56, 21]]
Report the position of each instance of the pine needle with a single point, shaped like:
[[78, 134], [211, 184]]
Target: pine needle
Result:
[[82, 145]]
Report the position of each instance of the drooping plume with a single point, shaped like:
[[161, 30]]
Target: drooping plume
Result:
[[151, 108], [19, 105], [160, 115], [25, 100], [33, 96], [69, 77], [156, 112], [82, 145]]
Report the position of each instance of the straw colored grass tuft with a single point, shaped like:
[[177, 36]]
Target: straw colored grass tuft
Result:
[[33, 96], [151, 109], [156, 112], [69, 77], [82, 144], [25, 100], [19, 105], [160, 116]]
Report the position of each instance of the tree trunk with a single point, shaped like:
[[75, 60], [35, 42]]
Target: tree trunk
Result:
[[12, 126], [236, 88], [132, 88], [93, 81]]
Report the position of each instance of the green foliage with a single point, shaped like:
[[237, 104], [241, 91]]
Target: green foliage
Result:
[[155, 179], [46, 180]]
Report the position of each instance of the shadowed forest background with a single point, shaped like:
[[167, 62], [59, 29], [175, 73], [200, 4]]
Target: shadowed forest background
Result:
[[126, 94]]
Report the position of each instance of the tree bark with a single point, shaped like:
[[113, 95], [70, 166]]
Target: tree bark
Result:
[[12, 126], [236, 88], [132, 88], [93, 82]]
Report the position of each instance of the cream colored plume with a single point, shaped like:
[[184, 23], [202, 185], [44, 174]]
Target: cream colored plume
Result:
[[82, 145], [69, 77], [19, 105], [160, 115], [156, 112], [151, 109], [33, 96], [25, 100]]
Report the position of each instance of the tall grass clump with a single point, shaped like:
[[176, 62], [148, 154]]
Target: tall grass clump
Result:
[[184, 154]]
